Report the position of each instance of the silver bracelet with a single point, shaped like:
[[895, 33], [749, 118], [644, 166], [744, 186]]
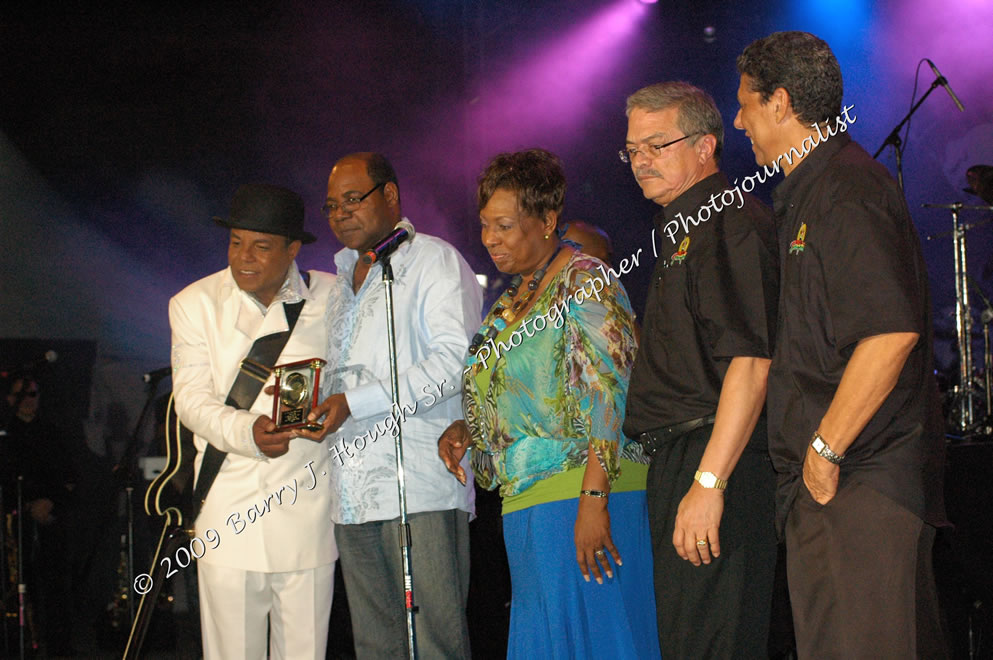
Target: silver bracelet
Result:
[[594, 493]]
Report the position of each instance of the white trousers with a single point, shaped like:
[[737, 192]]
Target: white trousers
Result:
[[234, 604]]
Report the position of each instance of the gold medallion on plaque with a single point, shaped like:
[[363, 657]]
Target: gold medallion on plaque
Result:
[[297, 389]]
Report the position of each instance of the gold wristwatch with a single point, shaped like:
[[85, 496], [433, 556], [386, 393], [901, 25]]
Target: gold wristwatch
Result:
[[710, 480]]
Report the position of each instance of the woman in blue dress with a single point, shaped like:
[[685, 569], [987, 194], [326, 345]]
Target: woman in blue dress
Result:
[[543, 395]]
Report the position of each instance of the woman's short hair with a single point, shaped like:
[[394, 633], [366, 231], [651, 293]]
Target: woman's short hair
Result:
[[535, 176], [803, 65]]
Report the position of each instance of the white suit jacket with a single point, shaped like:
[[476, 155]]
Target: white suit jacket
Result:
[[269, 514]]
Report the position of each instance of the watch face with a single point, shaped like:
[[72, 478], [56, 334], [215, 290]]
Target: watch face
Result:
[[708, 480], [818, 445]]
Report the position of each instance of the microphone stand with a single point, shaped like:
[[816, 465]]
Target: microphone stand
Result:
[[404, 527], [986, 318], [964, 409], [4, 575], [894, 137], [22, 587]]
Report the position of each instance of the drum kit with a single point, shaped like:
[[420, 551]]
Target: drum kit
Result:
[[968, 397]]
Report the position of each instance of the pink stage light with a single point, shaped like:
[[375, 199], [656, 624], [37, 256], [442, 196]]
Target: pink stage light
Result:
[[550, 91]]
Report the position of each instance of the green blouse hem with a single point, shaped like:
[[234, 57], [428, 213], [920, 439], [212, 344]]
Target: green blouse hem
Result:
[[566, 485]]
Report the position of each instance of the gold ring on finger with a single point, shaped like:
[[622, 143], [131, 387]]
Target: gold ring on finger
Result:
[[702, 542]]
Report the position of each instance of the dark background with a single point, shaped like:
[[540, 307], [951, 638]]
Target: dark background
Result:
[[123, 130]]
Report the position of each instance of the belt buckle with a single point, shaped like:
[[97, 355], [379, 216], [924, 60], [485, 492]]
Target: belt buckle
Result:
[[649, 443]]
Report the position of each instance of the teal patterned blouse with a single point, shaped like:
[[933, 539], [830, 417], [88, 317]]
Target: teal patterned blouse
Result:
[[544, 394]]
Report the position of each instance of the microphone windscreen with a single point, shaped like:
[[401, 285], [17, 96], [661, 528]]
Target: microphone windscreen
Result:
[[405, 224]]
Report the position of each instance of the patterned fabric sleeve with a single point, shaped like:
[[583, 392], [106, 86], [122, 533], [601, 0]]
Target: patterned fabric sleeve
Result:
[[557, 387], [596, 354], [482, 468], [478, 413]]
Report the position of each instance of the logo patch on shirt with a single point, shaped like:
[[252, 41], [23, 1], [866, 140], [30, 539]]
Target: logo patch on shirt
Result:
[[680, 254], [796, 247]]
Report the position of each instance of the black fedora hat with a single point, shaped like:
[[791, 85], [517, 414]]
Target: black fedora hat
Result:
[[268, 209]]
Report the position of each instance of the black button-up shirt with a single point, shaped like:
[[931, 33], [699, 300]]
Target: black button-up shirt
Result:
[[852, 268], [711, 299]]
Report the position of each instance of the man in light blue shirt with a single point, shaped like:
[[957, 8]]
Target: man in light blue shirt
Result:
[[437, 308]]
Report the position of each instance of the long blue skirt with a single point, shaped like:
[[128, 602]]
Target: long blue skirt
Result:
[[554, 612]]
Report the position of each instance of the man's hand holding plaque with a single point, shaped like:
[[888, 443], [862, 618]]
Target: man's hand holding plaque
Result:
[[334, 410]]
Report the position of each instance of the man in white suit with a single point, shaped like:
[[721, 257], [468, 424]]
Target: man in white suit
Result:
[[270, 549]]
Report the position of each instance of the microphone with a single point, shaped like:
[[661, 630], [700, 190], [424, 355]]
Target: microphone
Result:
[[156, 375], [944, 83], [49, 357], [387, 246]]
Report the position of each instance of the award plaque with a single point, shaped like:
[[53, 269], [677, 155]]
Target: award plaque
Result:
[[297, 387]]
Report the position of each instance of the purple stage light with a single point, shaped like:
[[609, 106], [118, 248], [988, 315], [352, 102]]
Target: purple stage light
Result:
[[955, 36], [548, 94]]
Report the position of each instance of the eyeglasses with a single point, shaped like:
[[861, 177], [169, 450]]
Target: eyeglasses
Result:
[[331, 208], [628, 154]]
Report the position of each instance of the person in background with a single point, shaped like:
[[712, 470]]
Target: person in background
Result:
[[37, 450], [980, 180], [588, 239]]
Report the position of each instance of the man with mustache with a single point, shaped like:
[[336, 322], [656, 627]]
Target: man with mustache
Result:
[[698, 387]]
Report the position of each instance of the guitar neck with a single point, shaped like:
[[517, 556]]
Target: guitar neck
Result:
[[172, 538]]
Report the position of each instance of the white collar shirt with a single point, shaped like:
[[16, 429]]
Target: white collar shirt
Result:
[[437, 304]]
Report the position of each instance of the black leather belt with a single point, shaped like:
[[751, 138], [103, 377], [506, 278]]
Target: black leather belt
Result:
[[654, 440]]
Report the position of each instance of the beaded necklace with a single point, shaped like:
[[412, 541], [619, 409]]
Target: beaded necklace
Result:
[[505, 311]]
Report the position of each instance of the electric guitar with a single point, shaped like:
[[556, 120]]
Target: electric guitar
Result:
[[173, 537]]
